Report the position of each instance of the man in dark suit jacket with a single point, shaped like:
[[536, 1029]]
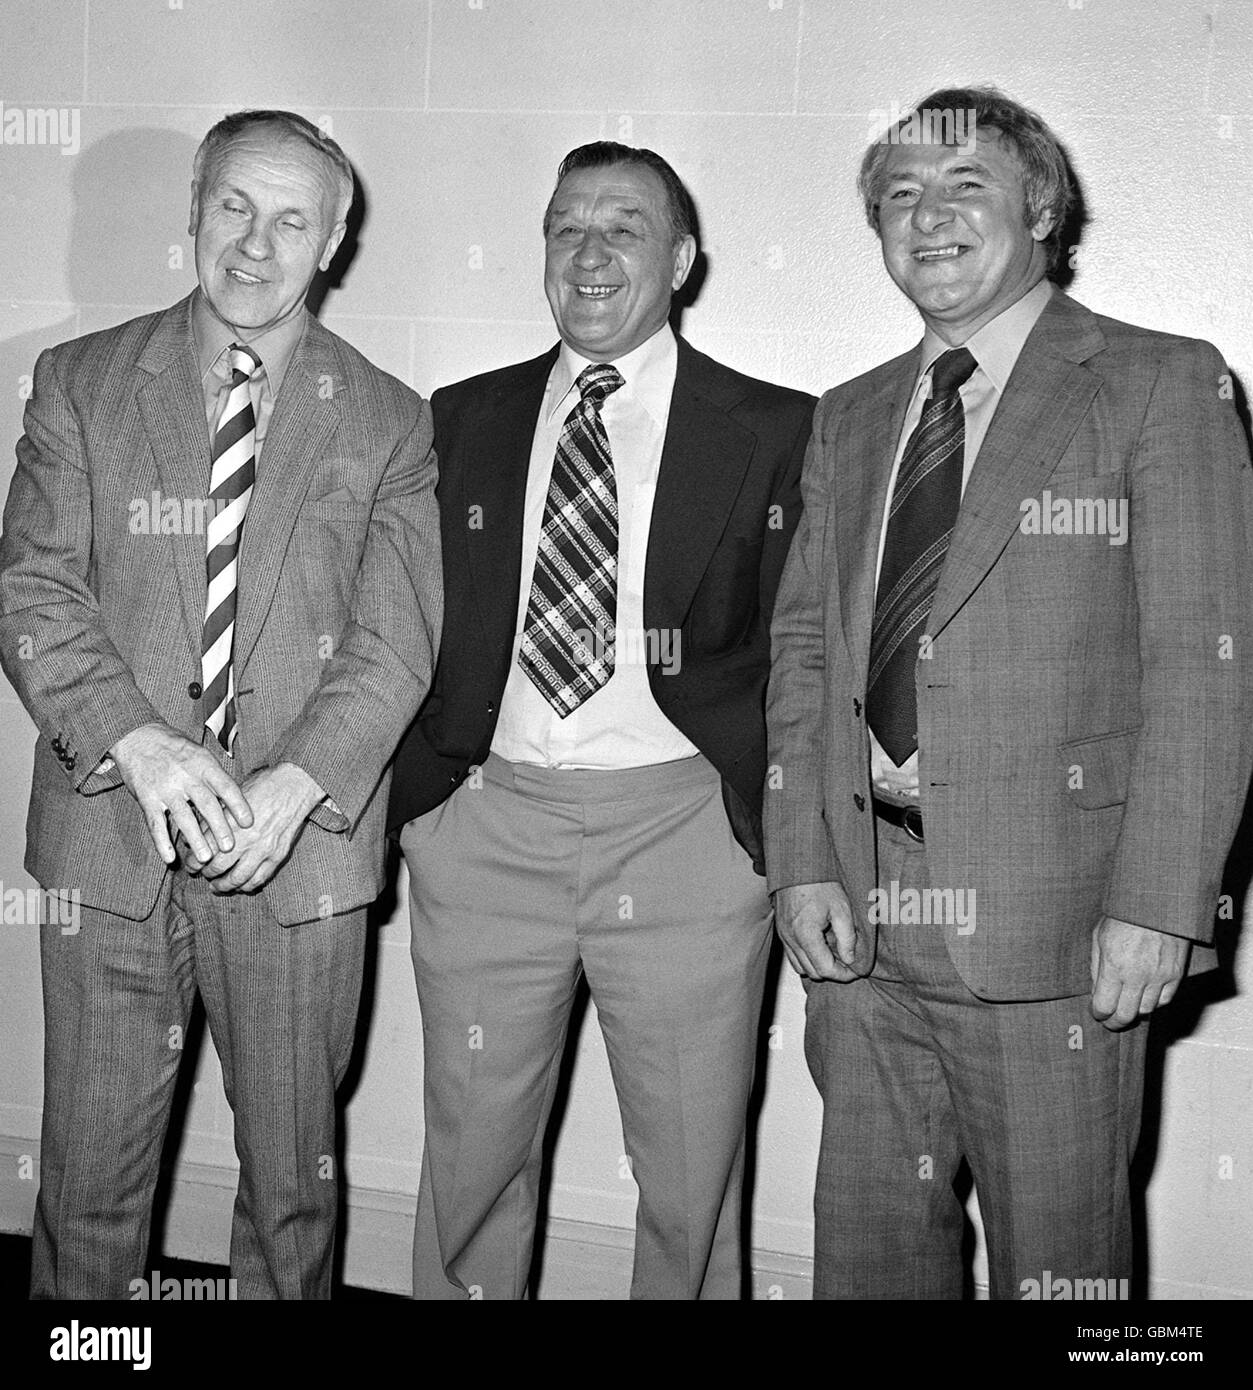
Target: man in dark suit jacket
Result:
[[1018, 827], [219, 601], [581, 791]]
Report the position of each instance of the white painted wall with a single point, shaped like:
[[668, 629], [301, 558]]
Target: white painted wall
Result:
[[455, 113]]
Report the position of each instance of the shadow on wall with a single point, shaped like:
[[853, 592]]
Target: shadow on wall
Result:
[[129, 248]]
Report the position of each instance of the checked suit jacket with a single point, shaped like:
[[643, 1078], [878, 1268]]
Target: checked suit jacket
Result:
[[1085, 709], [726, 504], [100, 628]]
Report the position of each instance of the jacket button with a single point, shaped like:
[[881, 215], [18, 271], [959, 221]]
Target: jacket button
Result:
[[69, 763], [195, 690], [856, 709], [491, 708], [859, 801], [56, 745]]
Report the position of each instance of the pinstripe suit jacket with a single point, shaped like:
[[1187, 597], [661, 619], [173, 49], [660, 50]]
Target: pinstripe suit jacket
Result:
[[340, 599], [1085, 728]]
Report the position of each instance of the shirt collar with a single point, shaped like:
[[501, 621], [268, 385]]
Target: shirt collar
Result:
[[647, 373], [997, 344], [274, 347]]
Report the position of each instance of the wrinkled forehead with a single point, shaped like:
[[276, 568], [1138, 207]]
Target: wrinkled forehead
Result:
[[262, 158], [987, 156], [611, 190]]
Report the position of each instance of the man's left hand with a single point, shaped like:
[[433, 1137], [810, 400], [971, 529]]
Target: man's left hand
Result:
[[1134, 970], [281, 798]]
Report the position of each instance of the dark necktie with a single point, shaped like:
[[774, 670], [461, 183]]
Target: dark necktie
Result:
[[567, 638], [920, 523], [230, 489]]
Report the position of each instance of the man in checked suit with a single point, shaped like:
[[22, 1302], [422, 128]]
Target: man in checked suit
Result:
[[1011, 715], [581, 791], [220, 597]]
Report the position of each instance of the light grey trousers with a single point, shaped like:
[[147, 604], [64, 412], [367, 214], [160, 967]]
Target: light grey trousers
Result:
[[519, 883]]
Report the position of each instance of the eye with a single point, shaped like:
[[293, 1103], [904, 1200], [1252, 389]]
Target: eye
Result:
[[565, 231], [902, 194], [236, 209], [293, 224], [621, 234], [970, 183]]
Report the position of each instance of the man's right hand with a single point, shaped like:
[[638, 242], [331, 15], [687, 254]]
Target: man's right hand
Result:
[[169, 775], [811, 918]]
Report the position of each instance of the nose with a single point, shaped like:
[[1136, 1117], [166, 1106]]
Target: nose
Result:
[[931, 211], [592, 251], [256, 243]]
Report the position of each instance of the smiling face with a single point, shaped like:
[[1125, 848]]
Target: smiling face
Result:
[[951, 222], [611, 261], [266, 218]]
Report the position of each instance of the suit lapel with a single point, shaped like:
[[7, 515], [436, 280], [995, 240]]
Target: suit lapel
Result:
[[498, 459], [305, 416], [703, 462], [171, 405], [1045, 398], [859, 494]]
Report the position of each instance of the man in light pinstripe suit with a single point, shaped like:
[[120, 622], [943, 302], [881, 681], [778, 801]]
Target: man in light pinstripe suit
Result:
[[215, 714]]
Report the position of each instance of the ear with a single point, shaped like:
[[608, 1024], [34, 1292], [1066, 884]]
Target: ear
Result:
[[332, 245], [684, 256], [1043, 226], [193, 217]]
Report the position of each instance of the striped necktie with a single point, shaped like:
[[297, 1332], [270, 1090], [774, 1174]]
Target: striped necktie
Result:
[[920, 523], [567, 638], [230, 488]]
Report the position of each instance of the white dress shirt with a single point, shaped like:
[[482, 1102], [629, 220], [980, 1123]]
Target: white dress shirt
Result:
[[621, 724], [995, 348]]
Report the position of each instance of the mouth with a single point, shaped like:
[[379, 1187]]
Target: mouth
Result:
[[924, 255], [596, 291], [243, 277]]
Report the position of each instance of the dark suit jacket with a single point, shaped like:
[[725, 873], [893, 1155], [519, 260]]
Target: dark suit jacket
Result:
[[1085, 716], [726, 504], [101, 626]]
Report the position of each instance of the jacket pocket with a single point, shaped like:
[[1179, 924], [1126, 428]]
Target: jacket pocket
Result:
[[1097, 769]]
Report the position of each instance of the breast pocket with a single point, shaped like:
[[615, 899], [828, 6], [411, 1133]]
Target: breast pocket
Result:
[[328, 542]]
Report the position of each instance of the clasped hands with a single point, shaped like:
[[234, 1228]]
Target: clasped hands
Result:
[[236, 836], [1134, 969]]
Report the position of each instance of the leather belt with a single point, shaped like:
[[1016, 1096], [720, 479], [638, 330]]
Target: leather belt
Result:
[[909, 818]]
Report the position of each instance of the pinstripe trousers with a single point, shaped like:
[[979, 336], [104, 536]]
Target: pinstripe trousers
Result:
[[281, 1004]]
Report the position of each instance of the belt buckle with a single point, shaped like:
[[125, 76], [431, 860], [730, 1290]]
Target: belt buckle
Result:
[[911, 819]]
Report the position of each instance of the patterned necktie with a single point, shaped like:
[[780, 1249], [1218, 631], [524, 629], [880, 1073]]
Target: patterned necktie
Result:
[[920, 523], [567, 637], [230, 488]]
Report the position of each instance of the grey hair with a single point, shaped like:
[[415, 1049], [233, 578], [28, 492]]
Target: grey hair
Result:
[[1047, 182], [294, 126]]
